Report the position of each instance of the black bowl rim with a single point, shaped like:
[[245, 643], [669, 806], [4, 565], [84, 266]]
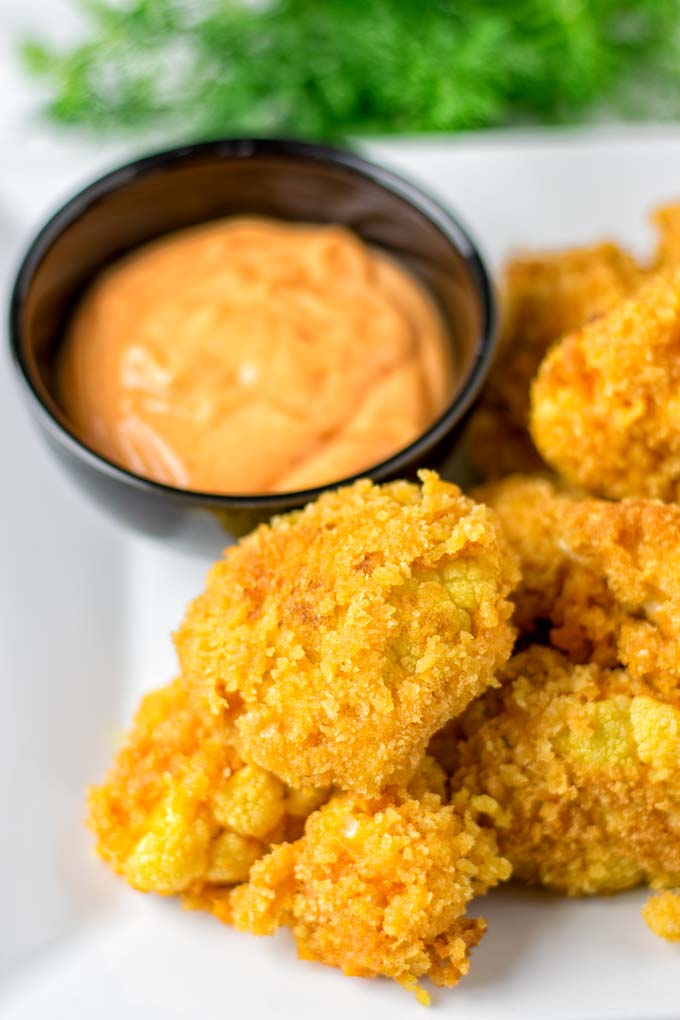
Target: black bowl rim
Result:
[[243, 148]]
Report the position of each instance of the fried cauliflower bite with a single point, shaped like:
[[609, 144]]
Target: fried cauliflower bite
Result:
[[662, 915], [605, 405], [180, 810], [585, 771], [546, 295], [338, 639], [602, 577], [380, 885]]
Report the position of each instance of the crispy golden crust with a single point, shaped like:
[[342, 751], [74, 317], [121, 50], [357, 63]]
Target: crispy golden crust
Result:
[[662, 914], [585, 773], [379, 886], [529, 509], [341, 637], [546, 295], [606, 401], [603, 576], [181, 810], [580, 753]]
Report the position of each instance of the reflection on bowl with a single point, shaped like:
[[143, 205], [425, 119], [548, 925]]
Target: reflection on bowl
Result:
[[285, 180]]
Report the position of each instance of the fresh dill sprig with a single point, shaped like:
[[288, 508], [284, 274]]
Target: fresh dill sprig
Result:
[[339, 68]]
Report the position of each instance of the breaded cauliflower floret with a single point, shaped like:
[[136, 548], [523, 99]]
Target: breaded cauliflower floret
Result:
[[379, 886], [662, 914], [586, 774], [606, 401], [339, 638], [546, 295], [599, 579], [181, 810]]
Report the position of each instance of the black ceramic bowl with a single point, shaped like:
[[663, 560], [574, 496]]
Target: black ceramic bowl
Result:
[[189, 185]]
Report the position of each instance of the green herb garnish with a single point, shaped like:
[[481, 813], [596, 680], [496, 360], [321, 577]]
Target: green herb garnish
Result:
[[338, 68]]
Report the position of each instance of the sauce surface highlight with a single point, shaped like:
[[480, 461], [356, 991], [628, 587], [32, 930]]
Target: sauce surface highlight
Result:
[[253, 356]]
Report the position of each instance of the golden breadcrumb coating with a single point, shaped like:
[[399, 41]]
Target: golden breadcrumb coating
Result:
[[529, 508], [180, 810], [666, 219], [606, 400], [602, 576], [580, 753], [585, 771], [341, 637], [379, 886], [546, 295], [662, 914]]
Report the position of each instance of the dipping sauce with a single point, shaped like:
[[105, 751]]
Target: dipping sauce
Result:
[[253, 356]]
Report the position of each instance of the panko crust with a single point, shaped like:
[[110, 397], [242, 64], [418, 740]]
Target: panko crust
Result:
[[380, 886], [662, 915], [180, 809], [529, 508], [605, 405], [602, 576], [585, 772], [545, 296], [340, 637]]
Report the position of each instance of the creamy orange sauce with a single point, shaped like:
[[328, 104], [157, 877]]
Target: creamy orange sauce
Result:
[[253, 356]]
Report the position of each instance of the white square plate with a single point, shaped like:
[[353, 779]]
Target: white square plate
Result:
[[86, 612]]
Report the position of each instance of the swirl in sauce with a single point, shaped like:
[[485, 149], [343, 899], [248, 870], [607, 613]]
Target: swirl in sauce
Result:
[[253, 356]]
